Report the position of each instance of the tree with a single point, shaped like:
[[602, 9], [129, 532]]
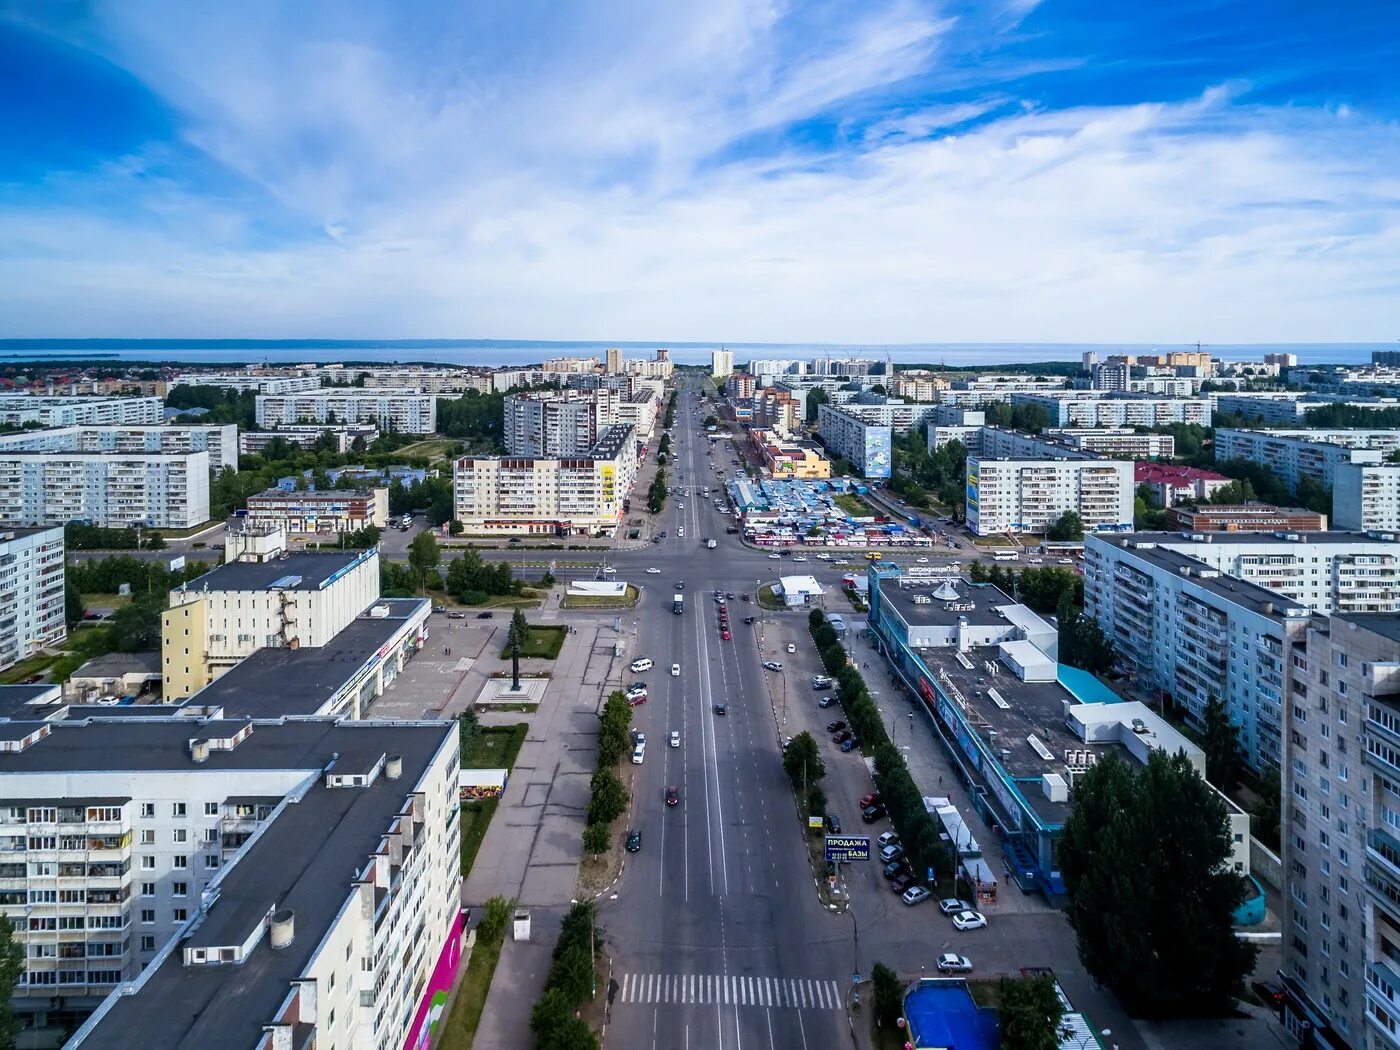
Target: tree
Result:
[[1068, 526], [1030, 1013], [136, 627], [889, 996], [596, 838], [519, 631], [72, 605], [1082, 641], [803, 761], [11, 966], [1268, 810], [1221, 743], [609, 797], [1151, 894], [468, 729], [424, 555], [816, 397]]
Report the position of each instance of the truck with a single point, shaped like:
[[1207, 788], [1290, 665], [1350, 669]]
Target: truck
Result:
[[678, 603]]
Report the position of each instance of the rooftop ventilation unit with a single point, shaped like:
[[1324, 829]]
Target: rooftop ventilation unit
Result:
[[1000, 701]]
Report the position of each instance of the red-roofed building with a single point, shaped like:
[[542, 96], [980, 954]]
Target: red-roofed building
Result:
[[1171, 484]]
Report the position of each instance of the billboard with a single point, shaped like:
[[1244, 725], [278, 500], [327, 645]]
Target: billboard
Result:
[[847, 848]]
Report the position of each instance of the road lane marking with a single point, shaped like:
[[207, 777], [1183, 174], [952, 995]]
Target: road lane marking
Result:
[[798, 993]]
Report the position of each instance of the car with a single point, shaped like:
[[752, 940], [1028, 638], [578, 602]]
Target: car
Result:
[[772, 665], [915, 895], [729, 595], [639, 754], [889, 838], [791, 647], [637, 701], [895, 868], [773, 557], [724, 635], [786, 554], [953, 906], [608, 570], [848, 745], [439, 608], [680, 531], [869, 799], [456, 615], [675, 738], [640, 664], [653, 571], [720, 709], [969, 920], [894, 851], [745, 596], [841, 736], [750, 619], [836, 727], [900, 883], [656, 539], [636, 689], [1269, 992], [870, 814], [680, 585], [819, 686], [948, 962], [1065, 561], [675, 670], [638, 737], [921, 561], [673, 795], [680, 506], [826, 701], [823, 557], [484, 615], [833, 823]]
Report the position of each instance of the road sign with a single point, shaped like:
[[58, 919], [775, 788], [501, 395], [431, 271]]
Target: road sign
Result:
[[930, 874], [847, 848], [814, 823]]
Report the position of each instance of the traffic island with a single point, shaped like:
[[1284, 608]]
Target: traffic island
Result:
[[498, 693]]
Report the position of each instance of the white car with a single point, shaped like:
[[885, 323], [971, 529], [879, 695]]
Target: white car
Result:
[[653, 571], [791, 647], [914, 895], [951, 963], [969, 920], [680, 531], [680, 506], [823, 557], [774, 557], [640, 664], [922, 561], [772, 665], [636, 691], [608, 570], [800, 557], [675, 738], [675, 670]]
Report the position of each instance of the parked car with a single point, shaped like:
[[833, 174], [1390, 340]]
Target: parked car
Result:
[[915, 895], [836, 727], [902, 882], [894, 851], [634, 841], [948, 962], [637, 701], [849, 744], [969, 920], [870, 799], [826, 701], [952, 906], [791, 647], [895, 868], [636, 689], [841, 736], [833, 823], [870, 814], [889, 838], [639, 665], [772, 665]]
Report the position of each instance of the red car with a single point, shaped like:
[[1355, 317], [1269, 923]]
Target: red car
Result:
[[637, 701], [673, 796], [870, 799], [724, 635]]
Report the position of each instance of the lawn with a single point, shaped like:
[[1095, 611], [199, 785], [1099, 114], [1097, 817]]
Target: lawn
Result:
[[476, 818], [570, 601], [495, 747], [106, 601], [768, 600], [541, 643], [852, 505], [429, 449], [31, 665], [470, 1000]]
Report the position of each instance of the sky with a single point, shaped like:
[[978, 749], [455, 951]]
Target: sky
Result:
[[882, 171]]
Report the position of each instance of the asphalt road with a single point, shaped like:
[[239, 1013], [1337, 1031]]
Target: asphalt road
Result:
[[716, 935]]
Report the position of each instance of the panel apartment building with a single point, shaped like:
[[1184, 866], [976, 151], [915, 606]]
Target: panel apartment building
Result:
[[219, 882], [21, 409], [982, 390], [547, 496], [1095, 408], [219, 440], [31, 592], [252, 442], [1020, 483], [860, 438], [244, 382], [400, 409], [109, 489], [320, 512]]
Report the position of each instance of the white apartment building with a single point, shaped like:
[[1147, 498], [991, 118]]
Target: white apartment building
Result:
[[899, 416], [1030, 494], [20, 409], [31, 592], [1341, 835], [252, 442], [917, 386], [400, 409], [721, 364], [1194, 633], [1096, 408], [570, 365], [292, 601], [940, 435], [256, 382], [428, 380], [219, 440], [212, 882], [638, 410], [864, 442], [1118, 442], [110, 489], [958, 416], [612, 364], [1316, 454], [983, 390], [548, 496], [555, 423], [1366, 497]]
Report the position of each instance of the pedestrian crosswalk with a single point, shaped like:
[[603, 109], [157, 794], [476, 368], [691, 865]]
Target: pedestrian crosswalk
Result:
[[801, 993]]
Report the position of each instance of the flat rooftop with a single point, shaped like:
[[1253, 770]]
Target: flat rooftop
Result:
[[1251, 596], [944, 612], [1287, 538], [275, 682], [39, 700], [293, 572], [1387, 625]]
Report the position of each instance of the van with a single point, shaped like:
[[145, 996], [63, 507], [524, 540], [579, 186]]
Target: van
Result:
[[639, 753], [643, 664]]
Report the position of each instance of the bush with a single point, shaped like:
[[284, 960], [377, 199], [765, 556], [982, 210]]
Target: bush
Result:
[[473, 597], [815, 619]]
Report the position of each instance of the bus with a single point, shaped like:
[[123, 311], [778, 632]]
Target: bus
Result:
[[1006, 556]]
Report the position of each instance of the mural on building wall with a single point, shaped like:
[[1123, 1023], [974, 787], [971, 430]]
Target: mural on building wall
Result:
[[434, 1001]]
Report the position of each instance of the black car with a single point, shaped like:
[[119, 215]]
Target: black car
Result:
[[870, 814], [1270, 992], [720, 709], [895, 868], [833, 823], [634, 841], [483, 616], [835, 727], [901, 883]]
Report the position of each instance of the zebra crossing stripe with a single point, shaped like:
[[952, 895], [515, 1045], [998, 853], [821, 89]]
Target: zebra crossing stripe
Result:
[[797, 993]]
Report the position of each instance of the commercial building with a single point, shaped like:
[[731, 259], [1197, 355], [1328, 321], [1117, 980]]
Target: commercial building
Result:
[[224, 882], [324, 512], [721, 364], [1030, 494], [865, 444], [252, 442], [283, 601], [1341, 847], [581, 495], [255, 382], [1194, 633], [1171, 484], [1245, 517], [785, 458], [400, 409], [220, 441], [18, 410], [1095, 408], [1366, 496], [110, 489], [1019, 727], [1315, 454], [31, 592]]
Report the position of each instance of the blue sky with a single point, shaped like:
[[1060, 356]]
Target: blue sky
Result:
[[872, 172]]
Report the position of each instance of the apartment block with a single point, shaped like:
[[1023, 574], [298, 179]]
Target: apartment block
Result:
[[1015, 444], [1341, 835], [253, 442], [320, 512], [31, 592], [1030, 494], [551, 496], [917, 386], [1315, 454], [109, 489], [249, 382], [221, 882], [555, 423], [778, 410], [957, 416], [1366, 496], [1116, 442], [867, 444], [285, 601], [1192, 633], [940, 434], [740, 386], [400, 409], [721, 364], [20, 409], [1096, 408], [219, 440], [1245, 517]]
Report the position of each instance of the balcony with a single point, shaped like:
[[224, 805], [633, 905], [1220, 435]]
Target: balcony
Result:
[[1383, 870]]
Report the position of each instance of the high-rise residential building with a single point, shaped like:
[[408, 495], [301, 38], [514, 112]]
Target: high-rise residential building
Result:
[[917, 386], [548, 496], [1366, 497], [866, 445], [230, 612], [740, 385], [403, 410], [31, 592], [253, 442], [1098, 408], [219, 440], [1341, 835], [231, 882], [109, 489], [555, 423], [777, 410], [1118, 442], [721, 364], [614, 361], [18, 410], [424, 380], [255, 382], [1031, 494], [1313, 454]]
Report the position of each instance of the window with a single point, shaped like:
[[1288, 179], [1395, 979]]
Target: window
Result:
[[179, 914], [148, 915], [178, 809], [179, 835], [148, 943], [148, 864], [211, 862], [180, 862], [180, 889], [148, 837], [148, 889], [148, 809], [211, 809]]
